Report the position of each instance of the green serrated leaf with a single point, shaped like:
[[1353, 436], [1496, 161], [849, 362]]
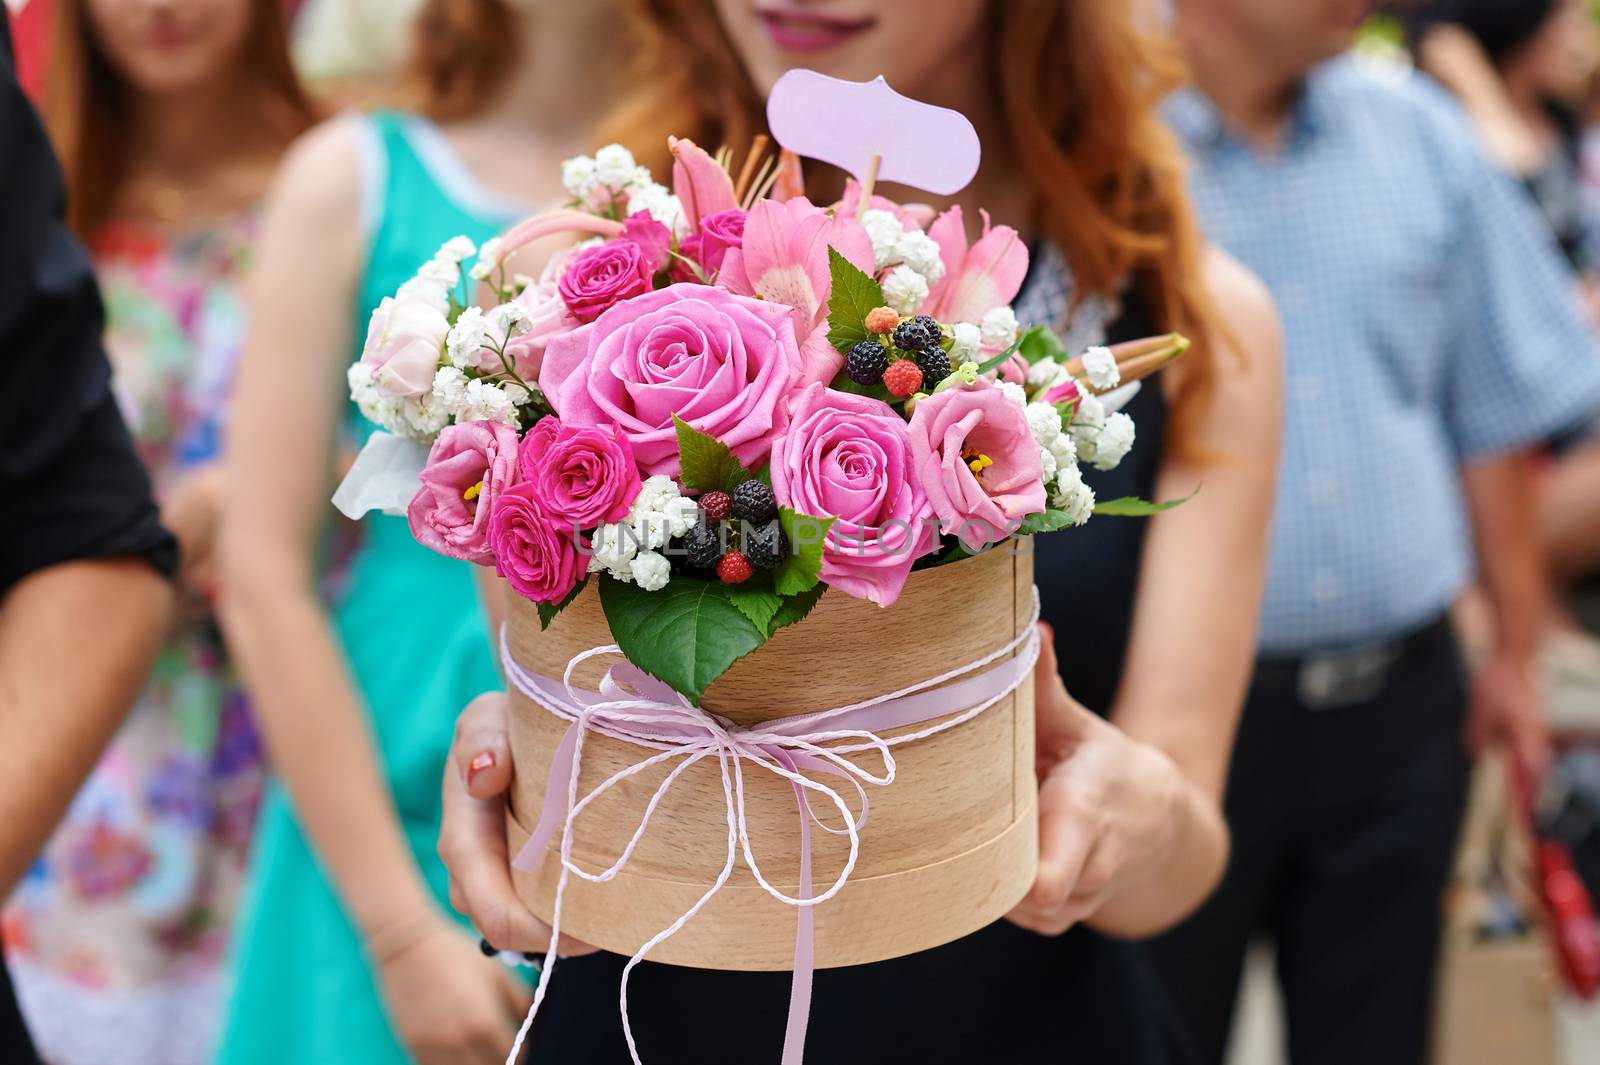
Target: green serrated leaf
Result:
[[756, 602], [1049, 521], [548, 611], [802, 566], [796, 607], [854, 295], [687, 634], [1134, 507], [1038, 343], [707, 463]]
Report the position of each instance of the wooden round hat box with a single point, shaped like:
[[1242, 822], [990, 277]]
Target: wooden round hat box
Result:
[[949, 847]]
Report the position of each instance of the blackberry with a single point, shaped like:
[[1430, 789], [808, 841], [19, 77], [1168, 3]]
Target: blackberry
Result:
[[703, 547], [764, 545], [866, 362], [917, 334], [935, 366], [753, 501]]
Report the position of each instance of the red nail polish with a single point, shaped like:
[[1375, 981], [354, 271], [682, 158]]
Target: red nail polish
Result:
[[484, 760]]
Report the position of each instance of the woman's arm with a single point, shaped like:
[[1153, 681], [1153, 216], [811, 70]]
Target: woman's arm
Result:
[[448, 1004], [1132, 835]]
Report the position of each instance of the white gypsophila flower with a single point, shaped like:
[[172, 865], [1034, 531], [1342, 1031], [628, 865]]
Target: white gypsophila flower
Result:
[[488, 259], [1045, 375], [885, 231], [441, 270], [424, 418], [682, 514], [486, 402], [1100, 367], [614, 166], [359, 378], [457, 249], [1065, 450], [904, 290], [1072, 496], [649, 528], [1045, 423], [965, 342], [654, 494], [1089, 410], [640, 177], [1114, 441], [659, 203], [467, 337], [578, 176], [998, 328], [920, 252], [612, 549], [450, 390], [1047, 465], [429, 291], [1014, 392], [509, 320], [651, 570], [515, 392]]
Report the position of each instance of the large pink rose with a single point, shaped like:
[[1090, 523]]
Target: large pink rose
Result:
[[535, 551], [602, 276], [405, 340], [470, 464], [850, 457], [722, 363], [584, 476], [978, 461]]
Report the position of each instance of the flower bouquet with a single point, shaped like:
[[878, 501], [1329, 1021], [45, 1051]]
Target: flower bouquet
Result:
[[761, 474]]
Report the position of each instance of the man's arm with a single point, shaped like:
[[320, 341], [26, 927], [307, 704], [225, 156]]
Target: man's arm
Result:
[[76, 641], [1505, 524]]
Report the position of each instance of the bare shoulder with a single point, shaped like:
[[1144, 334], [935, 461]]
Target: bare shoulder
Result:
[[319, 181], [1250, 356]]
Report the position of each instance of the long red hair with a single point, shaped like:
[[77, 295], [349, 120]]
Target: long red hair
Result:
[[1079, 82], [86, 103], [461, 53]]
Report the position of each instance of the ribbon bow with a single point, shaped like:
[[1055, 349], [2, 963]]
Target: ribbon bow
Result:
[[633, 706]]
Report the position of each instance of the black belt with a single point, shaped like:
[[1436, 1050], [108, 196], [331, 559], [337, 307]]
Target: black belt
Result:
[[1344, 676]]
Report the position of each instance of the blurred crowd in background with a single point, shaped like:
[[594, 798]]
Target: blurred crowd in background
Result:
[[372, 130]]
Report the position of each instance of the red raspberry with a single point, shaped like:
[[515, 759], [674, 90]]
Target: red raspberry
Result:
[[902, 378], [715, 506], [734, 568], [882, 320]]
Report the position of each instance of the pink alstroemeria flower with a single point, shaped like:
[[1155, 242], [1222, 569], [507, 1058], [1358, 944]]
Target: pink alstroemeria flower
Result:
[[979, 278]]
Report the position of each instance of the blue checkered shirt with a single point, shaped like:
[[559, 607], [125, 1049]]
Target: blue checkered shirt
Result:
[[1428, 320]]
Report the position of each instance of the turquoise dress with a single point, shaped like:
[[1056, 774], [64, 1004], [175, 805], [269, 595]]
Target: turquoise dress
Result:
[[418, 648]]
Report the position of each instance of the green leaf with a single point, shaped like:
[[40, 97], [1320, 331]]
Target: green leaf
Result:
[[708, 464], [1040, 342], [990, 364], [548, 611], [756, 602], [796, 607], [842, 383], [854, 295], [802, 566], [1049, 521], [1134, 507], [687, 634]]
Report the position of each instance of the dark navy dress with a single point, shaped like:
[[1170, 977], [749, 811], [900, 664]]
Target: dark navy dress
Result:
[[1001, 996]]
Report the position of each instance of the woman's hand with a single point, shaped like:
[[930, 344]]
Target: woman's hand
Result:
[[472, 838], [450, 1004], [192, 512], [1109, 807]]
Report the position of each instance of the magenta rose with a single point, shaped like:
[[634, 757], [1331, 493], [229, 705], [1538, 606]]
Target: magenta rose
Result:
[[718, 234], [849, 457], [585, 476], [722, 363], [977, 461], [604, 275], [470, 464], [534, 550]]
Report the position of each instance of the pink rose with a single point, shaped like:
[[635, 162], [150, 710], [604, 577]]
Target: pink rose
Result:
[[978, 461], [584, 476], [470, 464], [1065, 392], [653, 238], [533, 550], [405, 340], [722, 363], [718, 233], [602, 276], [850, 457]]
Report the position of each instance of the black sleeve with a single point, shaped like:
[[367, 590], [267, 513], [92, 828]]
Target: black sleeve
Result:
[[71, 486]]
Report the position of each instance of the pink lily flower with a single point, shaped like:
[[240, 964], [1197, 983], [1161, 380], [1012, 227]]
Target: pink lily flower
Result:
[[976, 279], [549, 223], [701, 185], [917, 215]]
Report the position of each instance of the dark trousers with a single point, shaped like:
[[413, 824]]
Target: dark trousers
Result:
[[1344, 825]]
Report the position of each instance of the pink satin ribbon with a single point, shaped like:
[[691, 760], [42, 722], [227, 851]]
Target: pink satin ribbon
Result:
[[633, 706]]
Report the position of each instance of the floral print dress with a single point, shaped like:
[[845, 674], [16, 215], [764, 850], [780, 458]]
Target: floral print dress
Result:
[[116, 938]]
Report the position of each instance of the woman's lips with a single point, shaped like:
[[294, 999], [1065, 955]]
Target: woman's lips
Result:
[[794, 32]]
